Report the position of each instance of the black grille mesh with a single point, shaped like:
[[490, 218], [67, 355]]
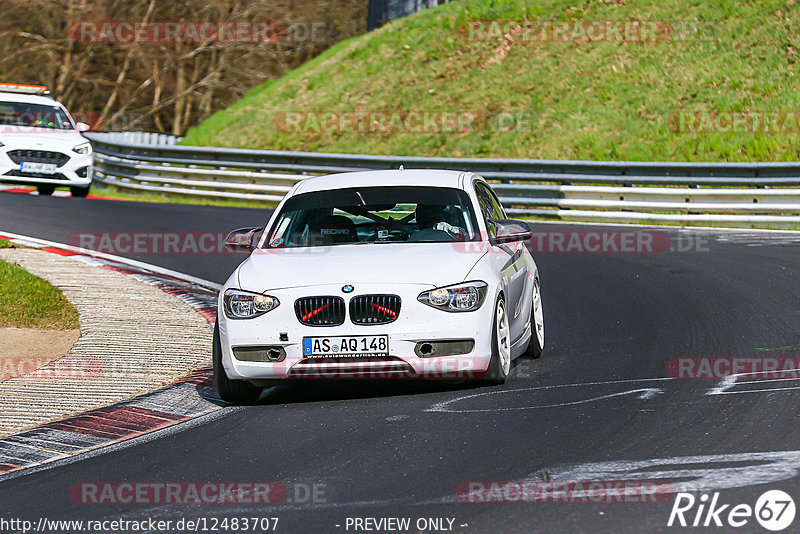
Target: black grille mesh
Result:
[[38, 156], [320, 311], [374, 309]]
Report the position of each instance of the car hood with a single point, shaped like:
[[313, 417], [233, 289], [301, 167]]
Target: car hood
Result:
[[42, 139], [434, 264]]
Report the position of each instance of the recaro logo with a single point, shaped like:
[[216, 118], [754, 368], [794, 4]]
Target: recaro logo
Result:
[[334, 231], [774, 510]]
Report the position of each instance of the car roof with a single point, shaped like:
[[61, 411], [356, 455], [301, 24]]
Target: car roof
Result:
[[408, 177], [28, 99]]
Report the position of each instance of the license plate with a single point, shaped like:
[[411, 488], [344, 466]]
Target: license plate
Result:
[[32, 166], [345, 346]]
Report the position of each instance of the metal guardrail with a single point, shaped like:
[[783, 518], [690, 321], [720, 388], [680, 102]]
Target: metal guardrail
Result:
[[729, 194], [146, 138], [379, 12]]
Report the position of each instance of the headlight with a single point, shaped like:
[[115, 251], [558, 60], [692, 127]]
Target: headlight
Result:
[[246, 305], [458, 298], [83, 148]]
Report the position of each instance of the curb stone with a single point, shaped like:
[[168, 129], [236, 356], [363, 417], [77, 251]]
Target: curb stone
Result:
[[112, 396]]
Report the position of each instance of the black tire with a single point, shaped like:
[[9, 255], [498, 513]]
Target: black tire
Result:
[[534, 349], [236, 391], [79, 192], [497, 375], [45, 189]]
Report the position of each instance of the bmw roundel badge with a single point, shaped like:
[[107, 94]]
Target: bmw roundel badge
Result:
[[348, 288]]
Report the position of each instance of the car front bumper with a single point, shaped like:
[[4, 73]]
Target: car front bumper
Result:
[[416, 323], [75, 172]]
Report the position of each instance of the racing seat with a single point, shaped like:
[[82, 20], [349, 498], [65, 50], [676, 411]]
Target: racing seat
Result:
[[333, 230]]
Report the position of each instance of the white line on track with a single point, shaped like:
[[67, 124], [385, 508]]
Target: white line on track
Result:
[[112, 257], [731, 381], [644, 394]]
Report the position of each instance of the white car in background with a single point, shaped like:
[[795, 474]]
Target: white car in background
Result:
[[40, 143], [379, 274]]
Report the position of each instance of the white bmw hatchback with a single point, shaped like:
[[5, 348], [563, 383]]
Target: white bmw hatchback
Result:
[[379, 274]]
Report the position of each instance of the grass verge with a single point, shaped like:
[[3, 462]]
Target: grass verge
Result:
[[568, 98], [27, 301]]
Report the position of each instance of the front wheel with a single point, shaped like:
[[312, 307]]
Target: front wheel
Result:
[[236, 391], [536, 344], [500, 364], [45, 189], [79, 192]]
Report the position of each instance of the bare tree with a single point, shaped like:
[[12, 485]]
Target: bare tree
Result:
[[168, 85]]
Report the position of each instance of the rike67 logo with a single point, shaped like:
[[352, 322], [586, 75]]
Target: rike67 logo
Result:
[[774, 510]]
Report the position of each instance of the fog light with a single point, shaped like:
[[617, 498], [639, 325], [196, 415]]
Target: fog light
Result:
[[429, 349], [426, 349], [259, 354]]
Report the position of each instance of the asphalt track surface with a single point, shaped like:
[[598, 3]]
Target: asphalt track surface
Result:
[[599, 394]]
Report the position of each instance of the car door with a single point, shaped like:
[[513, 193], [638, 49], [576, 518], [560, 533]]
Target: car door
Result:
[[515, 270]]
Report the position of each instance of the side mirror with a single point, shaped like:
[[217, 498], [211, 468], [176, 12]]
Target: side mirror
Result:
[[510, 230], [82, 127], [242, 240]]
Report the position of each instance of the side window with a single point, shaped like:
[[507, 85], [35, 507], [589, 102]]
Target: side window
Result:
[[497, 207], [490, 207], [279, 235]]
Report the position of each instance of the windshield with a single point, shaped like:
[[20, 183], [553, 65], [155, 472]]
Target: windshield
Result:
[[34, 116], [389, 214]]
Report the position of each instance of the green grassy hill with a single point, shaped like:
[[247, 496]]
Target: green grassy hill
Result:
[[707, 65]]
